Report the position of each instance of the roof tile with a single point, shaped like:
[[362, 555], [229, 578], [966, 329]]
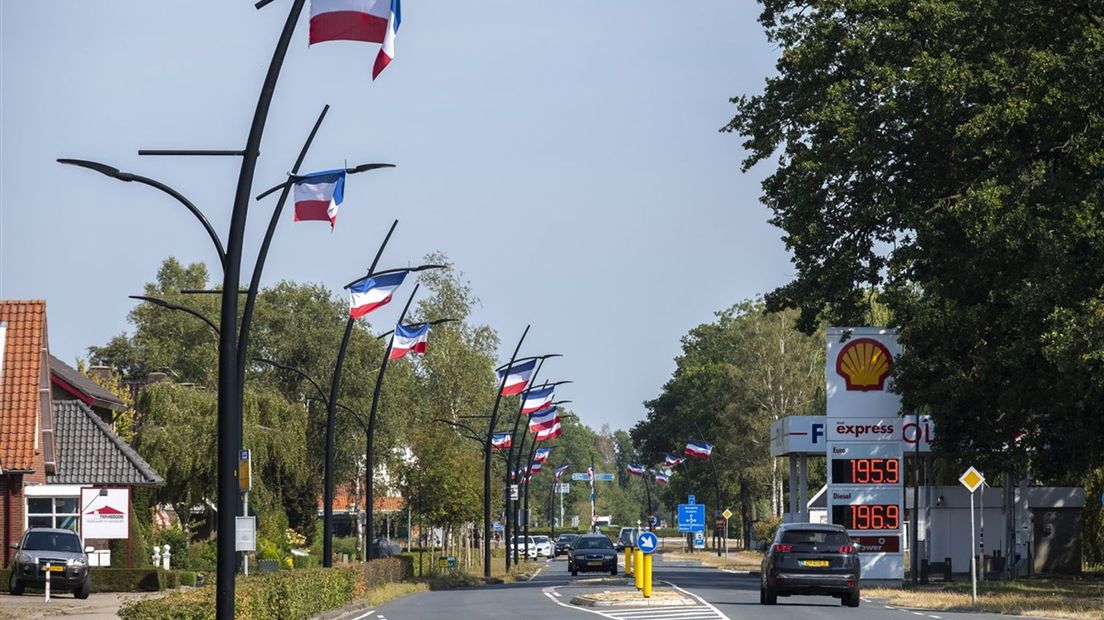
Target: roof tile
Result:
[[89, 452], [22, 365]]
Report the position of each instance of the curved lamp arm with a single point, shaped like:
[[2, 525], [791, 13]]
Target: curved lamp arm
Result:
[[437, 322], [372, 274], [354, 170], [526, 359], [128, 177], [157, 301], [295, 370]]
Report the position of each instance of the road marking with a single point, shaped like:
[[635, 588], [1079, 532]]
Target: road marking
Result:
[[365, 615], [916, 613]]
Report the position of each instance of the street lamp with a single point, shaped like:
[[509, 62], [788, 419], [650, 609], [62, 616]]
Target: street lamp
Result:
[[528, 463]]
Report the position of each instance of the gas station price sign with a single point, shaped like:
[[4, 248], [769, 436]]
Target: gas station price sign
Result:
[[862, 517], [866, 471]]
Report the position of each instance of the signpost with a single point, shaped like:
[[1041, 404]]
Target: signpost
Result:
[[972, 480], [727, 514], [691, 518], [245, 485], [646, 543]]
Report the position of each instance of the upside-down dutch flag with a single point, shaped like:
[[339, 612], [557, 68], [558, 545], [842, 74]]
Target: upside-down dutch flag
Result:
[[518, 379], [662, 478], [535, 467], [541, 455], [373, 292], [543, 420], [409, 340], [671, 460], [387, 50], [537, 399], [699, 449], [349, 20], [501, 441], [549, 433], [636, 469], [318, 195], [561, 470]]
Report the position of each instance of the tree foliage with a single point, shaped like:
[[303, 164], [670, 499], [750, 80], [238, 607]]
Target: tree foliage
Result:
[[948, 153]]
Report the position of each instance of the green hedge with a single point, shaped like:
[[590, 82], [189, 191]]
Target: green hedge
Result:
[[131, 579], [285, 595]]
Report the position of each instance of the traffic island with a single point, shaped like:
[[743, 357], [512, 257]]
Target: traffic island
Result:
[[661, 597]]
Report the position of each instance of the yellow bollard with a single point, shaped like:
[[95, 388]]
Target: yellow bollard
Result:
[[628, 561], [638, 568], [647, 575]]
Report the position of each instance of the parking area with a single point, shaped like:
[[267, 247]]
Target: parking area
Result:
[[98, 606]]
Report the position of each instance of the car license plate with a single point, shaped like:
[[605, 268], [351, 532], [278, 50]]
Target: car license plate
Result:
[[594, 563], [818, 563], [55, 569]]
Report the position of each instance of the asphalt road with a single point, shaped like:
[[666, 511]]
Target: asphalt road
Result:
[[721, 596]]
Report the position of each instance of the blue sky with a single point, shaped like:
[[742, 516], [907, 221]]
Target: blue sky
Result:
[[578, 140]]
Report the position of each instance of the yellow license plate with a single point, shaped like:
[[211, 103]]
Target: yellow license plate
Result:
[[595, 563], [820, 563], [56, 569]]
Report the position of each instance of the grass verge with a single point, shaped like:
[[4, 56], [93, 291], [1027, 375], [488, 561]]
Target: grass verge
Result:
[[391, 591], [474, 575], [1048, 598], [737, 560]]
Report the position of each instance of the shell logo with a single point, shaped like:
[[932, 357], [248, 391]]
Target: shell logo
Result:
[[864, 363]]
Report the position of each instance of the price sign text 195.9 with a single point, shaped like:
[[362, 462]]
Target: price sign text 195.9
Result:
[[868, 516], [866, 471]]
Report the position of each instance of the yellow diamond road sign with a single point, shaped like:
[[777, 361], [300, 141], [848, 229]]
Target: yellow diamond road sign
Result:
[[972, 479], [727, 513]]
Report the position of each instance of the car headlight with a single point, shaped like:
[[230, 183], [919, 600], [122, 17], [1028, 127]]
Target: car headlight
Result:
[[23, 558], [77, 562]]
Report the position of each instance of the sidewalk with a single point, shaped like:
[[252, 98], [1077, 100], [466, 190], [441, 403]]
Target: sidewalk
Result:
[[98, 606]]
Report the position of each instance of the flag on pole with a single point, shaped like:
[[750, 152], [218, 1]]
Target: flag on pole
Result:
[[535, 467], [409, 340], [671, 460], [518, 379], [541, 455], [549, 433], [662, 478], [387, 50], [318, 195], [537, 399], [561, 470], [349, 20], [636, 469], [543, 420], [699, 449], [373, 292], [501, 441]]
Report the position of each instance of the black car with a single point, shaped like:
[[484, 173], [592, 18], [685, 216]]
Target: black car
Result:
[[56, 551], [563, 544], [809, 558], [593, 553]]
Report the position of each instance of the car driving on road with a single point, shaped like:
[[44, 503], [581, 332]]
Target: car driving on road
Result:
[[544, 546], [56, 551], [529, 551], [809, 558], [592, 553], [563, 544]]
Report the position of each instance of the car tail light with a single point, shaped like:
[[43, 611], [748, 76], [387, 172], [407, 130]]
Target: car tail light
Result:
[[847, 549], [780, 548]]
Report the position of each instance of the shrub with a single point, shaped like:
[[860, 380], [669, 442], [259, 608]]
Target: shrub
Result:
[[305, 561], [286, 595], [128, 579], [202, 555], [346, 545], [765, 528], [187, 578], [179, 545]]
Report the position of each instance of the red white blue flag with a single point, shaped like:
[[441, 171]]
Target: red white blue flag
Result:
[[409, 340], [387, 50], [541, 455], [537, 399], [552, 432], [349, 20], [561, 470], [318, 195], [518, 379], [662, 478], [699, 449], [501, 441], [671, 460], [636, 469], [535, 468], [373, 292], [544, 420]]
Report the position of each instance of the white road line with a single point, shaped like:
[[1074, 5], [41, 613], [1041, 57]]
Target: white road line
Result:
[[936, 617], [365, 614], [700, 600]]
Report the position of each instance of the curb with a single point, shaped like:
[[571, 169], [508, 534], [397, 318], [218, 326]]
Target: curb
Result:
[[584, 600]]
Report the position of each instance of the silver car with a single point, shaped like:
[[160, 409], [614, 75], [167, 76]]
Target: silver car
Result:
[[56, 551]]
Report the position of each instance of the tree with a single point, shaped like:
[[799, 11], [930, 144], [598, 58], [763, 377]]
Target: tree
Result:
[[947, 154]]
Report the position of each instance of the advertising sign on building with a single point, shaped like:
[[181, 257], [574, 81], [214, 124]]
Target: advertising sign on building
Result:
[[105, 513], [865, 434]]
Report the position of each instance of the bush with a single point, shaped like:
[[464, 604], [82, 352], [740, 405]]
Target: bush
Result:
[[345, 545], [202, 555], [286, 595], [128, 579], [765, 528], [187, 578], [305, 561], [179, 545]]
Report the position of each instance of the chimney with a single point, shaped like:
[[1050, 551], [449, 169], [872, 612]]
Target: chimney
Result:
[[102, 374]]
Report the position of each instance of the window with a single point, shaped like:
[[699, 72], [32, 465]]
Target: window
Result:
[[58, 512]]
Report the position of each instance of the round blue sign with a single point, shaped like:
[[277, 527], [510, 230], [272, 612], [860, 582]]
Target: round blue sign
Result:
[[647, 542]]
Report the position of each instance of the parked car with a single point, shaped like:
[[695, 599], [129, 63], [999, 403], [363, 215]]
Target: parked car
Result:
[[808, 558], [47, 549], [544, 546], [592, 553], [626, 538], [520, 542], [563, 544], [385, 548]]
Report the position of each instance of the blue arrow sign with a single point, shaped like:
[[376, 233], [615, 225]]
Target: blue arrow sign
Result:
[[604, 477], [647, 542], [691, 517], [582, 477]]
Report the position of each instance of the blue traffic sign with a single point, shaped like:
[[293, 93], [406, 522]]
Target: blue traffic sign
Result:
[[498, 527], [691, 517], [604, 477], [690, 500], [647, 542]]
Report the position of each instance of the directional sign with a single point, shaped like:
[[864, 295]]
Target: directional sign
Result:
[[498, 527], [647, 542], [691, 517], [690, 500], [972, 479], [604, 477], [563, 488], [699, 540], [580, 477]]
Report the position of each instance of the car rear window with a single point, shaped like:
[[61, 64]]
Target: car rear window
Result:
[[594, 543], [814, 537]]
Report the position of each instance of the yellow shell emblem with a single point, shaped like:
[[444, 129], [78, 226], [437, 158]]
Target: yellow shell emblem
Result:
[[864, 363]]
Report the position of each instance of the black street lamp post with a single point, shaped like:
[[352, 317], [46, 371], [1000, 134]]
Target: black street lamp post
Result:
[[528, 464]]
